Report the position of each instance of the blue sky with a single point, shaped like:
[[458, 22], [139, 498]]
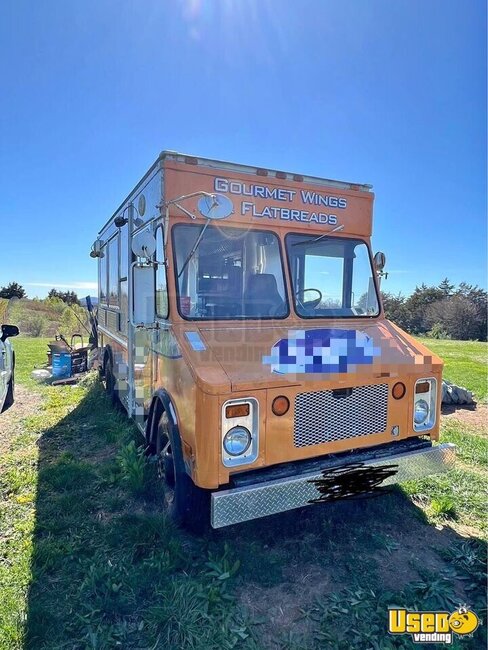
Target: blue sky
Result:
[[388, 93]]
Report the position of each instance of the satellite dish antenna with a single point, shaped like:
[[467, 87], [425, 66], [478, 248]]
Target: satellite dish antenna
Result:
[[216, 206], [144, 244]]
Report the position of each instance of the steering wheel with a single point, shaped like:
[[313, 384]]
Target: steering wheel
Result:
[[309, 304]]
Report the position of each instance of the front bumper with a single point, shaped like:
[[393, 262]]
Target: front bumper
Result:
[[261, 499]]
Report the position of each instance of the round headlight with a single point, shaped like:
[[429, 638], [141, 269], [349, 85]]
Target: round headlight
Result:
[[237, 441], [421, 411]]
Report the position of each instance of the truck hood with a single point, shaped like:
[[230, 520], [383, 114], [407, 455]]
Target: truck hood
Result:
[[264, 356]]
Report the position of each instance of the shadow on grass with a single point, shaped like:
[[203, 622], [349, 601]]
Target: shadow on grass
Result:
[[449, 409], [109, 570]]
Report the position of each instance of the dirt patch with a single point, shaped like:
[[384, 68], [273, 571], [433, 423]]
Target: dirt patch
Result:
[[403, 563], [284, 604], [382, 543], [26, 403], [475, 416]]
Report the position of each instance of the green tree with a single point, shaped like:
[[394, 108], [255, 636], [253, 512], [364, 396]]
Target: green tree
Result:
[[396, 309], [69, 297], [55, 304], [479, 298], [456, 315], [69, 324], [416, 306], [446, 287], [34, 325], [13, 290]]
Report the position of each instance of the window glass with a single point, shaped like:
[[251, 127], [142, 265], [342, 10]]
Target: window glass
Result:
[[113, 272], [102, 275], [161, 282], [228, 273], [331, 276], [124, 307], [124, 259], [326, 274]]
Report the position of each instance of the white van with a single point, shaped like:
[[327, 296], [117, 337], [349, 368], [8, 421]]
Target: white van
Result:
[[7, 365]]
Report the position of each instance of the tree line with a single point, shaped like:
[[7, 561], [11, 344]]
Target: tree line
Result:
[[16, 290], [442, 311]]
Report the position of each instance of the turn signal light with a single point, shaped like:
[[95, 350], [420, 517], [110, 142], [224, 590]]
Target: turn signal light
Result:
[[422, 387], [280, 405], [399, 390], [237, 411]]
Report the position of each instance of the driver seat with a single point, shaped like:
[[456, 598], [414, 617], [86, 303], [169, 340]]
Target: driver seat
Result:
[[261, 297]]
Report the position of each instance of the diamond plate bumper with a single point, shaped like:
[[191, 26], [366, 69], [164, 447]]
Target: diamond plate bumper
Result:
[[253, 501]]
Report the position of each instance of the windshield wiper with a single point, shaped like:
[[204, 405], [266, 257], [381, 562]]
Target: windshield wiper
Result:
[[326, 234], [194, 249]]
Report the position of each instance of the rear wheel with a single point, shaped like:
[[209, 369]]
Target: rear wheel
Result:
[[110, 384], [187, 505]]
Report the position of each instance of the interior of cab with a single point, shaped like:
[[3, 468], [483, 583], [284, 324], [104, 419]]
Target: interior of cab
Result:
[[332, 277], [226, 273], [232, 273]]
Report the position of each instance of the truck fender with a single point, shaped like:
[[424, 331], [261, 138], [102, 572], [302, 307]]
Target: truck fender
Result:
[[162, 402]]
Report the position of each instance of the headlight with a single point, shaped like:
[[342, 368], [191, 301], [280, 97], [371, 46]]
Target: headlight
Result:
[[421, 411], [237, 441], [240, 431], [424, 404]]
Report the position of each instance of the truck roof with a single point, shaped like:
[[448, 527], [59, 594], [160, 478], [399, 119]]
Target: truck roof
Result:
[[168, 156], [260, 171]]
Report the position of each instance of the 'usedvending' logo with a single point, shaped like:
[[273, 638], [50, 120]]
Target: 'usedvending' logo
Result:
[[433, 626]]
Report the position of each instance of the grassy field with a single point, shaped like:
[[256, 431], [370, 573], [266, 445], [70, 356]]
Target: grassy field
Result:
[[89, 560], [465, 363]]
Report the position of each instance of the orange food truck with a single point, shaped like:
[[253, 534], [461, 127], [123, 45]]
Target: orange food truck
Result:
[[240, 325]]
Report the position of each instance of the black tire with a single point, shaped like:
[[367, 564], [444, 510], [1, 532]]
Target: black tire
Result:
[[110, 384], [187, 504], [9, 398], [101, 371]]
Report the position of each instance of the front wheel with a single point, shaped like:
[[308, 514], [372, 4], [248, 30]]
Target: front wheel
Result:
[[187, 504]]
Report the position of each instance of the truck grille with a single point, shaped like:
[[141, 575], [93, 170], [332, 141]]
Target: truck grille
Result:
[[326, 415]]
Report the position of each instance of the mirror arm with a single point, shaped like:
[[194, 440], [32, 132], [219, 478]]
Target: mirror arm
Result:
[[189, 196], [187, 212]]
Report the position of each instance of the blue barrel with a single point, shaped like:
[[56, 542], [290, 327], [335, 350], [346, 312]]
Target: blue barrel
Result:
[[61, 365]]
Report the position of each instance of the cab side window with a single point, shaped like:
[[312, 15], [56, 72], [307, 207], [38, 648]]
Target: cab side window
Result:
[[103, 276], [113, 272], [161, 280]]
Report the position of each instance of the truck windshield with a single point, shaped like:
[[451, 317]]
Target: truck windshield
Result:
[[331, 277], [228, 273]]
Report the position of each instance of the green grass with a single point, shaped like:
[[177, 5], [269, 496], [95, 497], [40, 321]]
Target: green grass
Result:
[[88, 558], [465, 363], [29, 353]]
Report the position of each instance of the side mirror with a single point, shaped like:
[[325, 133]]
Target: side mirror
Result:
[[9, 330], [144, 244], [144, 295], [96, 249], [379, 261], [215, 206]]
